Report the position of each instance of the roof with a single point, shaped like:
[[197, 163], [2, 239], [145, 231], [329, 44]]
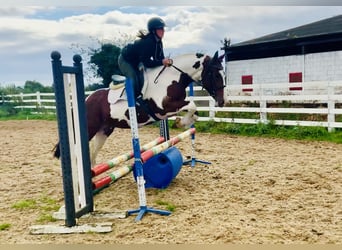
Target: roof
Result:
[[320, 36], [322, 27]]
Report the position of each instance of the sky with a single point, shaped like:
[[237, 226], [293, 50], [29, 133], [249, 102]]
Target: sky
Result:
[[30, 32]]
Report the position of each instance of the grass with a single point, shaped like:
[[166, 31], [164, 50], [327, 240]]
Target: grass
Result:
[[44, 204], [272, 131], [25, 204], [46, 218], [4, 226], [169, 206], [8, 112], [28, 116], [47, 205]]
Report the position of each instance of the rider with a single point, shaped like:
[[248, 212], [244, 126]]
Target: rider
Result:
[[147, 52]]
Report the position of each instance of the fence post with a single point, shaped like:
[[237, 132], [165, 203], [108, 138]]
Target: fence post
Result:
[[212, 109], [39, 102], [22, 100], [331, 107], [263, 105]]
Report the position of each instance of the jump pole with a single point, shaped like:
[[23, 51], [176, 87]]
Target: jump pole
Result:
[[104, 182], [137, 158], [103, 167], [192, 162], [110, 178]]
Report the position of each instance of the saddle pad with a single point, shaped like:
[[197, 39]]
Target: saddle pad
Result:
[[116, 94]]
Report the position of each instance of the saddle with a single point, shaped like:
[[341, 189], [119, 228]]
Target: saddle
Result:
[[119, 82]]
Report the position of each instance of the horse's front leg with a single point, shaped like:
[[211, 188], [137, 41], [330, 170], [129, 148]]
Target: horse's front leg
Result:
[[95, 146], [189, 118]]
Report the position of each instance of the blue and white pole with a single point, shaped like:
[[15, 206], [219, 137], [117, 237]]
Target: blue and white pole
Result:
[[138, 165], [193, 160]]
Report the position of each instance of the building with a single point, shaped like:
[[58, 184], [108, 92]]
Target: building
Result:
[[312, 52]]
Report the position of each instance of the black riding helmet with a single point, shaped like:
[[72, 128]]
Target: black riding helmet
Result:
[[155, 23]]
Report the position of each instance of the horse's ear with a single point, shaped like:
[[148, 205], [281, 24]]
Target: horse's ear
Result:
[[221, 57], [215, 56]]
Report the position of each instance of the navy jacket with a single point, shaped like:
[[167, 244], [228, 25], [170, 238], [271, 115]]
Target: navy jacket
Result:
[[148, 50]]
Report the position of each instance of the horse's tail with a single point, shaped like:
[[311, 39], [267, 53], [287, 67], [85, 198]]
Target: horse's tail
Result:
[[56, 151]]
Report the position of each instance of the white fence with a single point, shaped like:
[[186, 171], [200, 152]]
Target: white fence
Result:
[[36, 101], [39, 101], [322, 100], [312, 98]]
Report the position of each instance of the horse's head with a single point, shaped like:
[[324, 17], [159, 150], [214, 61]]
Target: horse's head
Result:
[[213, 78]]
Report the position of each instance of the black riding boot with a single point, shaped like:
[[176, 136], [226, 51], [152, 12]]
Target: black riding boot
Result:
[[139, 84]]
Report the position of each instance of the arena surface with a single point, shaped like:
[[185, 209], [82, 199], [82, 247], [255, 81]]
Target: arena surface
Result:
[[256, 190]]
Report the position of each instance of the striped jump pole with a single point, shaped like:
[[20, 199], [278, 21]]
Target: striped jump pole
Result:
[[161, 147], [103, 167], [137, 158], [112, 177], [193, 160]]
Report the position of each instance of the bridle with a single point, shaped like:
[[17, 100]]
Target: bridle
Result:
[[161, 71], [208, 74]]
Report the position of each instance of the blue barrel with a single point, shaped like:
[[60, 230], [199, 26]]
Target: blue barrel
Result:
[[161, 169]]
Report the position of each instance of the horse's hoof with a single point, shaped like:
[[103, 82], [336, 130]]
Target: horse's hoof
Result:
[[177, 123]]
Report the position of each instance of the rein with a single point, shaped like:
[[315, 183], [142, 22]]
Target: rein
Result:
[[156, 80], [161, 71], [175, 67]]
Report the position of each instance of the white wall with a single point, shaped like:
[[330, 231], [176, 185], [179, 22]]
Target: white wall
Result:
[[325, 66]]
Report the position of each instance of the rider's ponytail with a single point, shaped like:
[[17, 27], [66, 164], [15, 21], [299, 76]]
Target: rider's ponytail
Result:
[[142, 34]]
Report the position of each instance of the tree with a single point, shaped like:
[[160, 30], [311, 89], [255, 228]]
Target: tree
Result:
[[34, 86], [104, 62], [93, 86]]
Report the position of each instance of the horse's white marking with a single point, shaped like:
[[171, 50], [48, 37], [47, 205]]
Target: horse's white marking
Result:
[[189, 118], [95, 146], [114, 95]]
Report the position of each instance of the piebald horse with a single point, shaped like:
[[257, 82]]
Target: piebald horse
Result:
[[164, 94]]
